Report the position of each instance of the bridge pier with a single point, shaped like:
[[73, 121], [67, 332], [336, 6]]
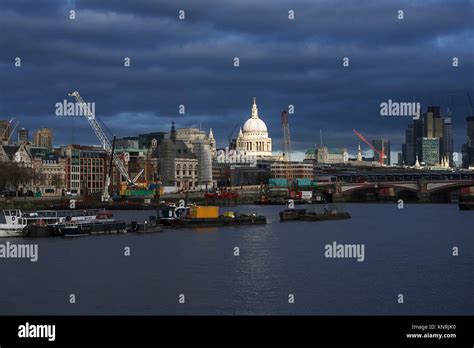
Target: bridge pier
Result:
[[423, 194], [424, 197], [338, 195], [466, 194], [385, 194]]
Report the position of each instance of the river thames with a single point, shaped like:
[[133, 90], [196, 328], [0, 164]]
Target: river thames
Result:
[[407, 252]]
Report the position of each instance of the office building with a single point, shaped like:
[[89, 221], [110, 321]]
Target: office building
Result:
[[430, 125], [323, 155], [429, 151], [468, 148], [447, 145], [43, 137], [23, 136]]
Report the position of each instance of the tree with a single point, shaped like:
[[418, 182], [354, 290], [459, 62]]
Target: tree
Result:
[[57, 181], [38, 179], [13, 175]]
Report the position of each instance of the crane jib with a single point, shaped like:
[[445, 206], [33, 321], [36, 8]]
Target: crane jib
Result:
[[99, 132]]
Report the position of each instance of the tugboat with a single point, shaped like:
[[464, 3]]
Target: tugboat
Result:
[[170, 212], [205, 216], [150, 226], [315, 213]]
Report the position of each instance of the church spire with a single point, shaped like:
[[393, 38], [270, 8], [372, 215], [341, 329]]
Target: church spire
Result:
[[254, 108], [173, 132], [211, 135]]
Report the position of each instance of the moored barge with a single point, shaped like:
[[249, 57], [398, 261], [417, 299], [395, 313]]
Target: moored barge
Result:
[[205, 216], [466, 205], [242, 219], [315, 213], [102, 223]]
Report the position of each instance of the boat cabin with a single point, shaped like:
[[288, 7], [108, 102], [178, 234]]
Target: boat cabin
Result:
[[171, 211], [14, 217]]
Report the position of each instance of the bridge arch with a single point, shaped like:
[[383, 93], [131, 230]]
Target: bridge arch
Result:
[[447, 187]]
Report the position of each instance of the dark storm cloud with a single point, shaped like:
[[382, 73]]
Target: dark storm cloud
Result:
[[190, 62]]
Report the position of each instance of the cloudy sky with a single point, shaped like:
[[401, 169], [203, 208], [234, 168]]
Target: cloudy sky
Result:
[[191, 62]]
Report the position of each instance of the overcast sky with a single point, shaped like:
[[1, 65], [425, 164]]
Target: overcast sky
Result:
[[282, 62]]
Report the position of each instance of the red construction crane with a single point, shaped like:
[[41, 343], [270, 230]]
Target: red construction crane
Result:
[[286, 144], [380, 153]]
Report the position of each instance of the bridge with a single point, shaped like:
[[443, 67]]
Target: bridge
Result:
[[423, 185], [414, 186]]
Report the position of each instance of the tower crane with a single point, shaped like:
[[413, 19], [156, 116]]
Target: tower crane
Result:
[[99, 132], [232, 133], [12, 131], [286, 143], [108, 178], [380, 153], [6, 130]]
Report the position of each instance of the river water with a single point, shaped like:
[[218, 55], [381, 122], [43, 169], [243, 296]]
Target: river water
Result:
[[407, 251]]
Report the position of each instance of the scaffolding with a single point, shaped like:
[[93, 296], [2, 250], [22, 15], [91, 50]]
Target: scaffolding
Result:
[[166, 155], [202, 150]]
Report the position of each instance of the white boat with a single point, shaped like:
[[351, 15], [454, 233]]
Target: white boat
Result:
[[42, 223], [15, 220], [60, 216], [14, 223]]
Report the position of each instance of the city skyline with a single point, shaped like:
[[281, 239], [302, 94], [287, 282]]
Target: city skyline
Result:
[[190, 62], [308, 160], [21, 135]]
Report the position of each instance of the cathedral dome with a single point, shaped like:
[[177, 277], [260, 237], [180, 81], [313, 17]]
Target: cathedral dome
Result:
[[254, 124]]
